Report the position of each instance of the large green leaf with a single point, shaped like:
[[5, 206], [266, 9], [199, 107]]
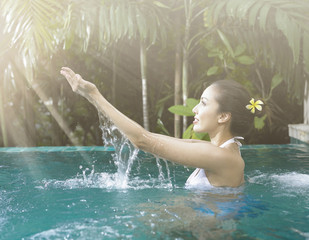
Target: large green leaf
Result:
[[181, 110], [263, 17], [192, 102], [226, 42], [212, 70], [188, 133]]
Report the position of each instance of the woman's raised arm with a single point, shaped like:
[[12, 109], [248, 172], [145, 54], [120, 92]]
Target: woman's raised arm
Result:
[[196, 154]]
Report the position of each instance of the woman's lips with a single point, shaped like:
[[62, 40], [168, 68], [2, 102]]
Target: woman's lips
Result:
[[195, 121]]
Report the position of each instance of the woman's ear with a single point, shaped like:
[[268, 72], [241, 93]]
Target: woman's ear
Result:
[[224, 117]]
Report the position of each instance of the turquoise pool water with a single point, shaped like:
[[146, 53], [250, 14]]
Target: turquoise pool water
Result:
[[79, 193]]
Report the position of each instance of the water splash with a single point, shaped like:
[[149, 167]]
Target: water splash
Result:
[[287, 183], [107, 181], [125, 154], [90, 229], [124, 157]]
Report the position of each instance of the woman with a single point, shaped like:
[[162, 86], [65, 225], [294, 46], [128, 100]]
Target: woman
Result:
[[222, 113]]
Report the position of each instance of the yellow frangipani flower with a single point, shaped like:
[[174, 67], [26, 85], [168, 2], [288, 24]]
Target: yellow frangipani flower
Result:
[[254, 105]]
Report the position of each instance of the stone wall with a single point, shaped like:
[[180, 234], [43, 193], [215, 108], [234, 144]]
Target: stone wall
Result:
[[299, 133]]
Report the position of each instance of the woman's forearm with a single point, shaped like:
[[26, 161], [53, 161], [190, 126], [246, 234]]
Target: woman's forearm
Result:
[[133, 131]]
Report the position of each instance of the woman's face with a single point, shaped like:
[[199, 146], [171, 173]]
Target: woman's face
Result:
[[206, 112]]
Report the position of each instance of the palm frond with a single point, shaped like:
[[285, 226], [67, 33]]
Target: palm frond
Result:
[[32, 24]]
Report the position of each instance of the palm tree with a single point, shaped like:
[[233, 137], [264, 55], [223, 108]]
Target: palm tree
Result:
[[3, 66], [141, 21], [33, 30], [190, 37]]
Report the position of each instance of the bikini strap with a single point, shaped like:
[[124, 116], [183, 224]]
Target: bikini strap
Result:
[[233, 140]]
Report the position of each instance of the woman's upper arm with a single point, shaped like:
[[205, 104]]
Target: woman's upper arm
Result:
[[199, 154]]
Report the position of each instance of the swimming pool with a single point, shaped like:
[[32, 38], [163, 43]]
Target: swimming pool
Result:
[[79, 193]]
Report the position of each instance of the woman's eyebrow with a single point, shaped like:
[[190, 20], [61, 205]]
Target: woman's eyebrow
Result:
[[204, 98]]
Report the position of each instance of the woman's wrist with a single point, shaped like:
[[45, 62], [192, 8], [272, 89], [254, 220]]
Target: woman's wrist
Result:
[[95, 97]]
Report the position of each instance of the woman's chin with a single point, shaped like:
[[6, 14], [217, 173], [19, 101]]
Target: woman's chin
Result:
[[196, 129]]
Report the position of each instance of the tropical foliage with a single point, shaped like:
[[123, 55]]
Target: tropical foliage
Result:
[[128, 49], [276, 33]]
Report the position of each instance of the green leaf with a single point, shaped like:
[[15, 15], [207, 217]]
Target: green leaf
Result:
[[212, 71], [188, 133], [246, 60], [259, 123], [253, 13], [159, 4], [231, 66], [217, 10], [275, 81], [213, 54], [192, 102], [264, 15], [200, 136], [240, 49], [161, 126], [226, 42], [181, 110]]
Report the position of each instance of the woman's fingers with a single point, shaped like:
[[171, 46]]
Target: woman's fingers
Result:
[[67, 72], [70, 76], [78, 84]]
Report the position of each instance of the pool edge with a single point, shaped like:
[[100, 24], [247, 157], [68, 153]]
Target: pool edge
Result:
[[111, 149], [58, 149]]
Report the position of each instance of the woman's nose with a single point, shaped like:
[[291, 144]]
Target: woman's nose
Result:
[[194, 110]]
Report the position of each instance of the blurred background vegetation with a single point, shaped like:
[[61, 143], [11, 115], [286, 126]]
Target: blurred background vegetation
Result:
[[146, 56]]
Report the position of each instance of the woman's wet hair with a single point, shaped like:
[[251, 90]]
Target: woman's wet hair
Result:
[[233, 98]]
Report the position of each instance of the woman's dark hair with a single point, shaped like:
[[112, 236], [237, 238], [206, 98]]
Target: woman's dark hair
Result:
[[233, 98]]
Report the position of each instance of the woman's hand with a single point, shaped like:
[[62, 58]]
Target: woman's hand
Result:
[[78, 84]]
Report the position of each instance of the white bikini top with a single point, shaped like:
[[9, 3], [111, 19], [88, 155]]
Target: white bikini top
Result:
[[198, 178]]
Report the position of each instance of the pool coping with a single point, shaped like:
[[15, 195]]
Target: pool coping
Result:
[[58, 149], [111, 149]]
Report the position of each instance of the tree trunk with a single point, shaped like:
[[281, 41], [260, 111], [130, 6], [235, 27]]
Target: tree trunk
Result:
[[144, 84], [2, 119], [306, 103], [177, 90], [56, 115], [185, 61], [114, 77], [184, 86], [29, 116]]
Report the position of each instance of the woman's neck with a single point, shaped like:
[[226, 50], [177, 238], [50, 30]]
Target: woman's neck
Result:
[[220, 137]]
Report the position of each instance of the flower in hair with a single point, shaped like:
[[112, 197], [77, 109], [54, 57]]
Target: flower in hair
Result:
[[254, 105]]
